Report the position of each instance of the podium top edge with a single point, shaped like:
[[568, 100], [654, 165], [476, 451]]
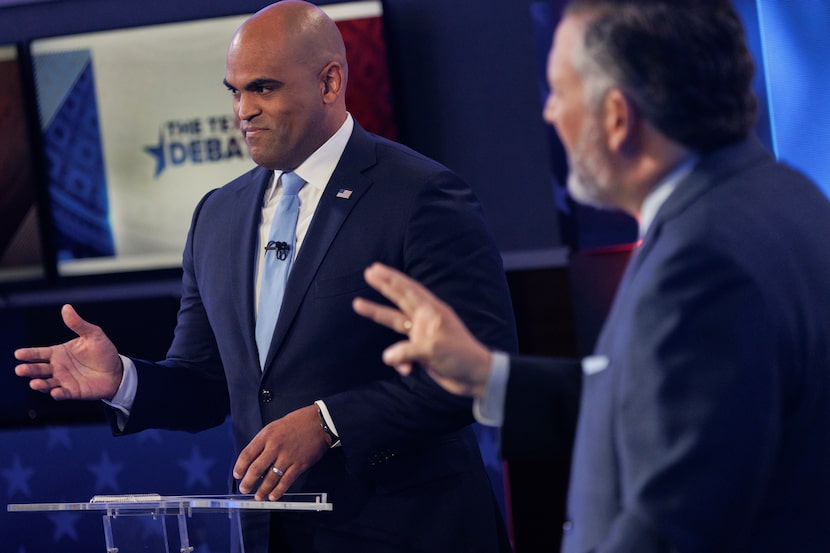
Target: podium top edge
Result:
[[167, 504]]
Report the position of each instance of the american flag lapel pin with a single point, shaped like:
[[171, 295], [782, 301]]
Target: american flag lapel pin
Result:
[[344, 193]]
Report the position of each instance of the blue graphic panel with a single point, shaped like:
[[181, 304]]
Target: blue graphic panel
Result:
[[72, 141], [55, 74]]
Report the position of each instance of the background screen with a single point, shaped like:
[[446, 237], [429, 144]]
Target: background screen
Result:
[[137, 126]]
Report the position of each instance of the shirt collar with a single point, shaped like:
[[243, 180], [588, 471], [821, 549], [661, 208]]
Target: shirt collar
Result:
[[317, 169], [658, 196]]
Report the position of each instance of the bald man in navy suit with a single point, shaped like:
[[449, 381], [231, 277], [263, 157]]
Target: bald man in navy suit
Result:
[[396, 456]]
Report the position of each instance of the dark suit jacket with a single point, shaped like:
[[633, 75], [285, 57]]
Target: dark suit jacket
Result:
[[409, 472], [708, 428]]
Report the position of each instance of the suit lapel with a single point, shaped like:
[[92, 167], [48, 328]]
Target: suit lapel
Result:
[[329, 216], [709, 172], [241, 263]]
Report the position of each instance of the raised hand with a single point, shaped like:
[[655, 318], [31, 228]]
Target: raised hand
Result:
[[437, 339], [86, 367]]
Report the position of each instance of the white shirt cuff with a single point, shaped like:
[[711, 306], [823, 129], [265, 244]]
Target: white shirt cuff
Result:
[[489, 409], [125, 395], [329, 421]]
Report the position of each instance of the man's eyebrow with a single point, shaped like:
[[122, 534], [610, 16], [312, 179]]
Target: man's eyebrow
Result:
[[256, 83]]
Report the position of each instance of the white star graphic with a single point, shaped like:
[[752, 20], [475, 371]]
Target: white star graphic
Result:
[[196, 468], [105, 473], [65, 525], [18, 478]]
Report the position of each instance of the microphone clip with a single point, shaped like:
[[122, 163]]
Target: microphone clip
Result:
[[280, 249]]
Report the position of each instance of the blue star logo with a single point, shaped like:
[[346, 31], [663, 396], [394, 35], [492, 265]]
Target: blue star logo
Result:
[[105, 473], [197, 468], [158, 153], [18, 478]]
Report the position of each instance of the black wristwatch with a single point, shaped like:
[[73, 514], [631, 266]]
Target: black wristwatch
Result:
[[335, 439]]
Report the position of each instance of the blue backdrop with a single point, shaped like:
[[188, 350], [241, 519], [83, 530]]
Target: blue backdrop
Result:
[[73, 463]]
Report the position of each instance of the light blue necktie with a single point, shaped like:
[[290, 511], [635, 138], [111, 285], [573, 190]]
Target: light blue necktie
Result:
[[278, 255]]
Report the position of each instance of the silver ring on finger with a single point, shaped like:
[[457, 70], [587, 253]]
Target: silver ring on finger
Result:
[[277, 471]]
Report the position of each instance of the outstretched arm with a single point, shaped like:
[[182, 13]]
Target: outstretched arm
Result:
[[437, 339], [87, 367]]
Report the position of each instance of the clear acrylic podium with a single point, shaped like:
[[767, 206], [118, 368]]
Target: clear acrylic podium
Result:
[[181, 507]]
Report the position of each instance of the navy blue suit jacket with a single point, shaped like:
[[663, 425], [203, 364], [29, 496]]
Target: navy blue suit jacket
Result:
[[704, 421], [409, 472]]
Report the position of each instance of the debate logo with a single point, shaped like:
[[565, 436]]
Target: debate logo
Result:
[[196, 141]]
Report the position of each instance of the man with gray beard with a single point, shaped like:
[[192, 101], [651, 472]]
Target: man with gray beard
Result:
[[704, 415]]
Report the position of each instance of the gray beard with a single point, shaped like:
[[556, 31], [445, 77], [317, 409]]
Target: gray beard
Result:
[[589, 177]]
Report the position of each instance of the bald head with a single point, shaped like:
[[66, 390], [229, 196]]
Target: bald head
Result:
[[286, 68], [298, 28]]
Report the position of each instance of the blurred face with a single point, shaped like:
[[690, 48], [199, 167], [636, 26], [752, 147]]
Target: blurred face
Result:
[[277, 98], [578, 125]]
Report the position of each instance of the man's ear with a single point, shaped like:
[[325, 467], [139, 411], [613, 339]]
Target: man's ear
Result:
[[621, 121], [331, 82]]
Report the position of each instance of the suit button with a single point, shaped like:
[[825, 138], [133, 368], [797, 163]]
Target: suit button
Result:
[[265, 396], [567, 526]]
